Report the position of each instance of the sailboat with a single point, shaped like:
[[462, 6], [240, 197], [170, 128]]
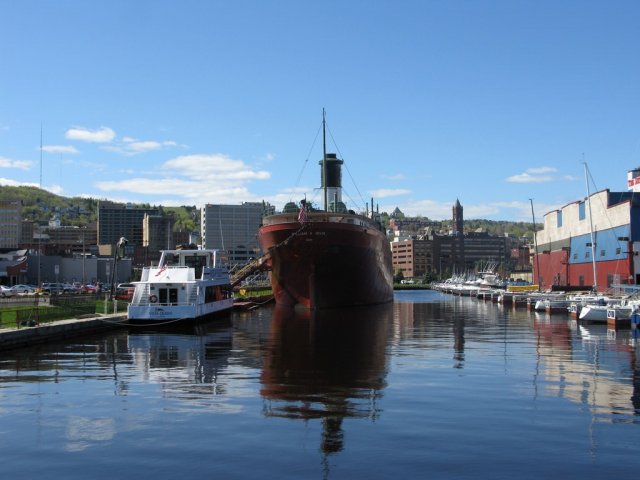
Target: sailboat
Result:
[[329, 257]]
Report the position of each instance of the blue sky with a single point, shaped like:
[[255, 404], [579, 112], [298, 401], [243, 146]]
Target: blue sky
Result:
[[193, 102]]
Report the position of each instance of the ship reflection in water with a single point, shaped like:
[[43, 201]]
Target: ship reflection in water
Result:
[[326, 364]]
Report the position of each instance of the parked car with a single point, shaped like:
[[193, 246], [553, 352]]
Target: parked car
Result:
[[53, 288], [20, 288], [70, 288], [89, 288], [125, 292], [6, 291]]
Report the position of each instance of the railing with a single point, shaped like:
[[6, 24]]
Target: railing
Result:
[[248, 269], [30, 311]]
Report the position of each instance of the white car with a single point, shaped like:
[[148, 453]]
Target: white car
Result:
[[24, 289], [6, 291]]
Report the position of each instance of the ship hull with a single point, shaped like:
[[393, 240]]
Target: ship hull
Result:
[[328, 261]]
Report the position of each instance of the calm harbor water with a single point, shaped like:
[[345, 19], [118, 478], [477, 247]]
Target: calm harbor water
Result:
[[433, 386]]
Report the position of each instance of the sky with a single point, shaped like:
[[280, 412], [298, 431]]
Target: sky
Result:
[[500, 104]]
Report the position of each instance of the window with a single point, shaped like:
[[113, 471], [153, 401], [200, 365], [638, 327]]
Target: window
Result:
[[575, 256], [618, 251], [581, 280], [559, 217], [587, 254], [602, 253], [581, 211]]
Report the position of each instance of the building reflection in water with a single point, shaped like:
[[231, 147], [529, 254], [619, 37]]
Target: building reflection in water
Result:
[[328, 365]]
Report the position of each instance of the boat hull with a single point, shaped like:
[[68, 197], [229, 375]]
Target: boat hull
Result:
[[327, 262], [147, 313]]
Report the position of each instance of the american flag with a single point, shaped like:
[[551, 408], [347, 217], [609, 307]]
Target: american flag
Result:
[[302, 216]]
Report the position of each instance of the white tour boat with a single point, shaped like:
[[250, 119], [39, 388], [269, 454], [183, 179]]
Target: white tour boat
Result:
[[187, 284]]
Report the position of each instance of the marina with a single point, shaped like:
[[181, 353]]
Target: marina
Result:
[[434, 384]]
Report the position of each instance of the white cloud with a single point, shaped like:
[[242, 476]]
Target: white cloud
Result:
[[426, 208], [190, 191], [534, 175], [20, 164], [541, 170], [8, 182], [198, 179], [59, 149], [213, 167], [146, 146], [397, 176], [132, 146], [101, 135], [389, 192]]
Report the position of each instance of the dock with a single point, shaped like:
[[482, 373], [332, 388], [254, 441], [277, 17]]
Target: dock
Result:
[[59, 330]]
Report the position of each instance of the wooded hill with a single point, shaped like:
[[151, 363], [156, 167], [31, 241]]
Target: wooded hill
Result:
[[40, 206]]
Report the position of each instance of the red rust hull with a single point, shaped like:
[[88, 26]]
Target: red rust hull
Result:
[[329, 261]]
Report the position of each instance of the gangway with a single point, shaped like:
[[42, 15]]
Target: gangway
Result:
[[251, 267]]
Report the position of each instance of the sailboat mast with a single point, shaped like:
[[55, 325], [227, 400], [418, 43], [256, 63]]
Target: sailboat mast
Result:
[[324, 162], [593, 242], [535, 243]]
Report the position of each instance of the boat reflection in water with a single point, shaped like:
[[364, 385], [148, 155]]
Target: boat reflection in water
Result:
[[328, 365], [185, 359]]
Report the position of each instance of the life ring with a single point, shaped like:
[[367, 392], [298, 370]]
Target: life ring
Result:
[[153, 298]]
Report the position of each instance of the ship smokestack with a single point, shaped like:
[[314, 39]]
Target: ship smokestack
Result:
[[334, 177]]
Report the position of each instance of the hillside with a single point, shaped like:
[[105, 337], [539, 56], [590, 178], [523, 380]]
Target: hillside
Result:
[[40, 206]]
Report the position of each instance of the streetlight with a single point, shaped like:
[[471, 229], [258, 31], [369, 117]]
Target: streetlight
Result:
[[117, 254]]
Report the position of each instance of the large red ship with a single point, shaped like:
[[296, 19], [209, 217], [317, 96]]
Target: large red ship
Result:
[[327, 258]]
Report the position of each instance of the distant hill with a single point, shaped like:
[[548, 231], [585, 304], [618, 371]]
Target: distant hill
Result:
[[40, 206], [498, 227]]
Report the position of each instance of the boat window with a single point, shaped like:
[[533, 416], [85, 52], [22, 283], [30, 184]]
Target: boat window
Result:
[[210, 294], [197, 262], [168, 296]]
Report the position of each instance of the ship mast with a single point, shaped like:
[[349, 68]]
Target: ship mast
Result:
[[593, 240], [324, 162]]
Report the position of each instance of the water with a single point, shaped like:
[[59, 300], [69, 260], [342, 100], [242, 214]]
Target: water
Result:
[[432, 386]]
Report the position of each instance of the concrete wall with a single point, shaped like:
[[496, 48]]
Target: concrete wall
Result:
[[70, 269]]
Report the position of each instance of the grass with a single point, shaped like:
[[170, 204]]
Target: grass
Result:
[[63, 309]]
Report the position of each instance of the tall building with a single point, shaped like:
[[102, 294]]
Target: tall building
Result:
[[157, 232], [482, 250], [233, 229], [67, 240], [458, 221], [10, 223], [117, 220]]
